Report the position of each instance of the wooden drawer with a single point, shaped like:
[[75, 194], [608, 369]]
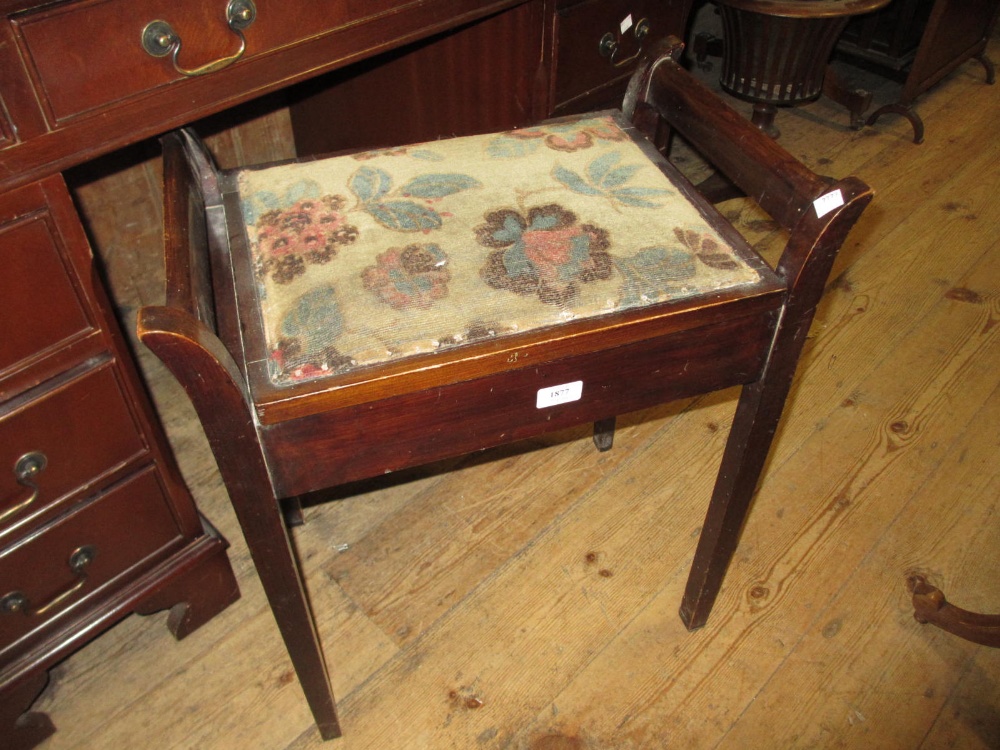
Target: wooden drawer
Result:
[[582, 71], [62, 568], [85, 56], [81, 426], [44, 313]]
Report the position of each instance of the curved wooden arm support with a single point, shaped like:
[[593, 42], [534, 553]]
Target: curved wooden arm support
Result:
[[930, 606]]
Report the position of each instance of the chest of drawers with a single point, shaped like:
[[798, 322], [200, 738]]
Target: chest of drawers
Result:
[[95, 520]]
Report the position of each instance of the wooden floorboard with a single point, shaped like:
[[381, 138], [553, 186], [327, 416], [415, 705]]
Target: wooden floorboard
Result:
[[526, 598]]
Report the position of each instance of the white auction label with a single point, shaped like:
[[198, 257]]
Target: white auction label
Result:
[[826, 203], [559, 394]]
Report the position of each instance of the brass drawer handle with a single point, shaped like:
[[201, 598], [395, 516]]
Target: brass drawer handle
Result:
[[159, 39], [28, 466], [609, 45], [79, 561]]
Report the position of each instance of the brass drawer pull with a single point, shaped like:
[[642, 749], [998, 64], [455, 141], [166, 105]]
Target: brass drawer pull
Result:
[[79, 561], [159, 39], [609, 45], [28, 466]]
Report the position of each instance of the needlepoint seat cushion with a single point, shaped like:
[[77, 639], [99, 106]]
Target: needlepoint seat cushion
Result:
[[372, 257]]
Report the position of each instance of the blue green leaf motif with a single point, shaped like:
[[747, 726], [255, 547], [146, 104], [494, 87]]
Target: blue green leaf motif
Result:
[[370, 184], [606, 177], [511, 147], [510, 232], [515, 262], [427, 155], [638, 197], [405, 216], [373, 186], [315, 318], [605, 173], [574, 182], [431, 186], [263, 201], [652, 274]]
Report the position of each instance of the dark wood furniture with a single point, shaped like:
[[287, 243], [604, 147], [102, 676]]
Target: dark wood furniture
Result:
[[776, 52], [276, 439], [563, 58], [95, 520], [921, 42], [76, 83]]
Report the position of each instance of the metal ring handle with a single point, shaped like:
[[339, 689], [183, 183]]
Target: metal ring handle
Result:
[[609, 45], [159, 39], [79, 560], [28, 466]]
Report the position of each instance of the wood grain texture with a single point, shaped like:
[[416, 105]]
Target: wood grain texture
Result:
[[525, 598]]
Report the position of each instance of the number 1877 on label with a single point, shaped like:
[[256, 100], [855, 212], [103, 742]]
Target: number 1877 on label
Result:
[[559, 394]]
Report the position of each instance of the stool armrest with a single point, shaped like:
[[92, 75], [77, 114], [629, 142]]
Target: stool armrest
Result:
[[782, 185], [186, 260], [759, 166]]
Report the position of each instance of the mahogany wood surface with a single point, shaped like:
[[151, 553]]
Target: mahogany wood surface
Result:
[[756, 341], [482, 77], [507, 70], [294, 47], [401, 431]]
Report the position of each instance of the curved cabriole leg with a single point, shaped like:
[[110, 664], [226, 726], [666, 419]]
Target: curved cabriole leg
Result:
[[905, 111], [930, 606]]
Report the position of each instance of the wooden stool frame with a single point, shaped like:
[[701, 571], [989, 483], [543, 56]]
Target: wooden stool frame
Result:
[[266, 452]]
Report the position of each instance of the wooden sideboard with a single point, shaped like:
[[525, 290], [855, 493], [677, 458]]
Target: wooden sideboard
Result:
[[112, 528]]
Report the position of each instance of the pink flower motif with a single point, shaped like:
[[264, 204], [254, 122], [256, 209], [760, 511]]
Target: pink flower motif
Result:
[[410, 277], [572, 141], [548, 252], [274, 241], [310, 231], [550, 246]]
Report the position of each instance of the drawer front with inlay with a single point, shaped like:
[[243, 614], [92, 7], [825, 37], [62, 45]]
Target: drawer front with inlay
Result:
[[64, 439], [68, 563]]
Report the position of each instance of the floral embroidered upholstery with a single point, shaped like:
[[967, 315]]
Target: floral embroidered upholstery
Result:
[[379, 255]]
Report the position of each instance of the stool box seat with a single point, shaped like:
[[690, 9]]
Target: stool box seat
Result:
[[409, 304], [371, 257], [337, 319]]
